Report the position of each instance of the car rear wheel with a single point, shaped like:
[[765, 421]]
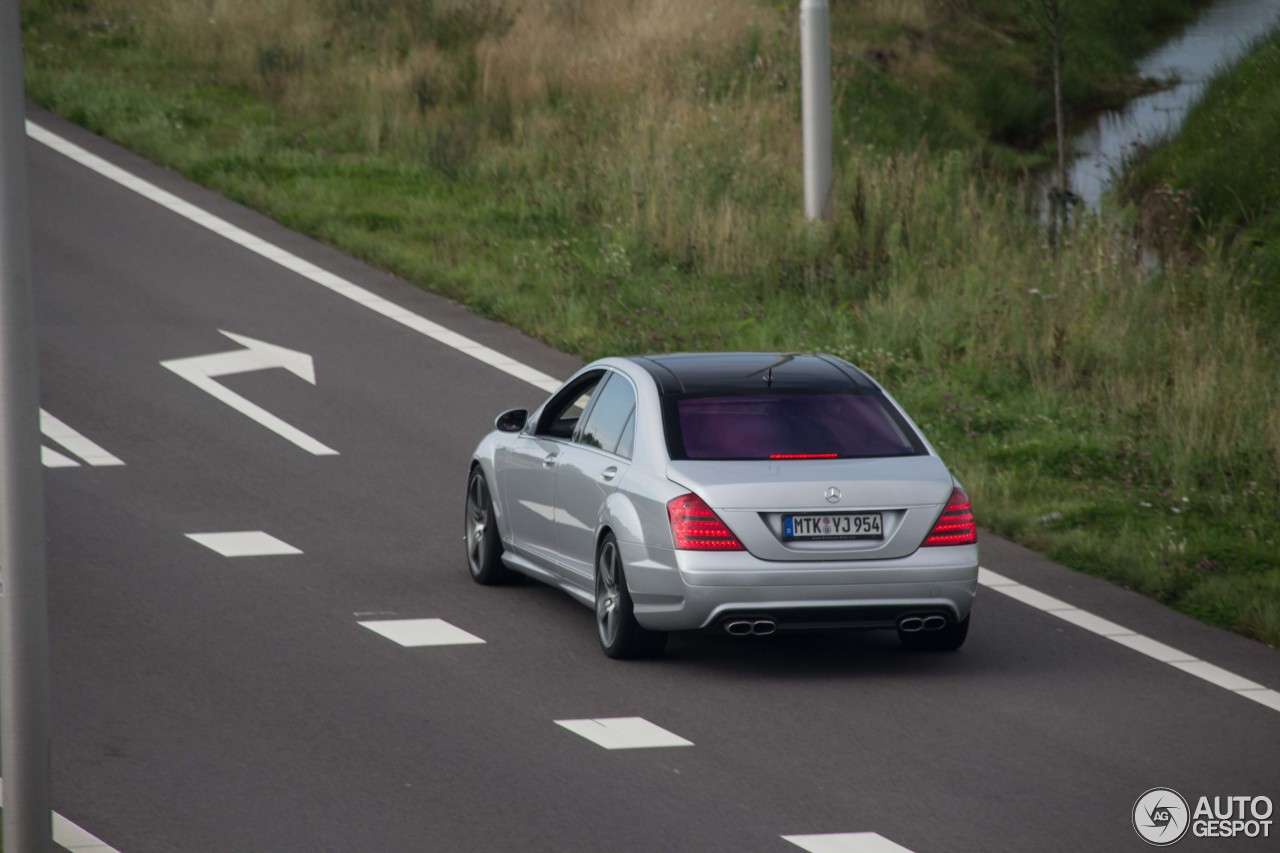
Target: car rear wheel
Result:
[[620, 634], [945, 639], [484, 548]]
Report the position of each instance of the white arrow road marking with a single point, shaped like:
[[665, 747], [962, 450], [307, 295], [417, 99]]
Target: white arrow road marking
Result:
[[199, 370], [72, 441]]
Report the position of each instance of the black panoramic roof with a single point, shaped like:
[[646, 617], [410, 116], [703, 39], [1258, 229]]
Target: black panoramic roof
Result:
[[735, 372]]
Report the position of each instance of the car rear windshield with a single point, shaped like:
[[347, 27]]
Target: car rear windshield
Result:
[[788, 425]]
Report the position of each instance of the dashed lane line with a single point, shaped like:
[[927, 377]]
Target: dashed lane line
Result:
[[624, 733], [1176, 658], [414, 633], [244, 543], [1187, 663], [51, 458], [71, 837], [73, 442], [846, 842]]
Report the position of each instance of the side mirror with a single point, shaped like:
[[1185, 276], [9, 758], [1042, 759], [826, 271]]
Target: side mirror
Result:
[[512, 420]]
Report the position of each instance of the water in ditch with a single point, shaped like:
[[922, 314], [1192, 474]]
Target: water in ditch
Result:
[[1221, 35]]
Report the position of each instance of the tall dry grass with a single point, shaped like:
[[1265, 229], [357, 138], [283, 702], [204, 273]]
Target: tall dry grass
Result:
[[578, 48]]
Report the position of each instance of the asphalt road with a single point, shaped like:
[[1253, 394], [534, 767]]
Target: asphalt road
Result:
[[212, 703]]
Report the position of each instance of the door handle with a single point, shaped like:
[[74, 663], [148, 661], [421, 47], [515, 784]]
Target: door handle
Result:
[[610, 472], [549, 460]]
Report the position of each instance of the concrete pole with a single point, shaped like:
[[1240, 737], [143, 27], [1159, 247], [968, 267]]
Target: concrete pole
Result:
[[24, 599], [815, 69]]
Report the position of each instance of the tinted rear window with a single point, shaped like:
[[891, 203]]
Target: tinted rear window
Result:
[[781, 425]]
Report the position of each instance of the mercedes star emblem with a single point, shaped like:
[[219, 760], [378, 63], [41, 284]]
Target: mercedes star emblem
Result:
[[833, 495]]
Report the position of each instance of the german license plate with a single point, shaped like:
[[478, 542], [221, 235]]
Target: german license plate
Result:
[[862, 525]]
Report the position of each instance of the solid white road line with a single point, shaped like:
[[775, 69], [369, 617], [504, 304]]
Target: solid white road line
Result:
[[57, 431], [243, 543], [1264, 696], [1139, 643], [624, 733], [292, 262], [412, 633], [845, 842], [67, 834]]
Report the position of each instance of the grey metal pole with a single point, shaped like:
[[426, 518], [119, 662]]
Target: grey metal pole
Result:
[[815, 69], [24, 598]]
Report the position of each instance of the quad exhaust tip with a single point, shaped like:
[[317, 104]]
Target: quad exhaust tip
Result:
[[750, 627], [763, 627], [911, 624]]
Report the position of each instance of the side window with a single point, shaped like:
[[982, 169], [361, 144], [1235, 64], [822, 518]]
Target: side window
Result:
[[628, 437], [561, 415], [609, 415]]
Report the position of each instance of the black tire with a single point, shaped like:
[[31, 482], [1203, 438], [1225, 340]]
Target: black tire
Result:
[[621, 636], [484, 547], [946, 639]]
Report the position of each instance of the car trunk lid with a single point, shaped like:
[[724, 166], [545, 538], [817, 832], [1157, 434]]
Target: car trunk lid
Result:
[[822, 509]]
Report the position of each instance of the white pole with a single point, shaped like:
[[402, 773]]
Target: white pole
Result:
[[24, 607], [815, 69]]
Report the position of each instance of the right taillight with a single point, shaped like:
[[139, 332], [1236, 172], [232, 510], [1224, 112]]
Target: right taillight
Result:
[[955, 526], [696, 527]]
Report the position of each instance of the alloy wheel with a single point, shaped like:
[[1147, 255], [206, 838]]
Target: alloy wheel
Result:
[[607, 594], [477, 523]]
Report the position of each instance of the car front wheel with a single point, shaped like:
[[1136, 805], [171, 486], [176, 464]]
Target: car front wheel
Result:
[[484, 548], [620, 634]]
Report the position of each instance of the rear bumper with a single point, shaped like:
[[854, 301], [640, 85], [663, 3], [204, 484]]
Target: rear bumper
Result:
[[686, 590]]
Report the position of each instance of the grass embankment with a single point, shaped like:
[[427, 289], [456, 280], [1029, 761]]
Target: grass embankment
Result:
[[623, 177]]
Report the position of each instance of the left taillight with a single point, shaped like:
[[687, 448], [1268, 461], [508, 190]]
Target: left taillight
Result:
[[955, 525], [696, 527]]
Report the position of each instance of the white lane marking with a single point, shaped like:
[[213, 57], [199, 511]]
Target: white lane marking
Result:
[[412, 633], [1036, 599], [200, 370], [57, 431], [53, 459], [1269, 698], [292, 262], [1176, 658], [624, 733], [1152, 648], [72, 837], [845, 842], [1216, 675], [243, 543], [435, 331], [1089, 622]]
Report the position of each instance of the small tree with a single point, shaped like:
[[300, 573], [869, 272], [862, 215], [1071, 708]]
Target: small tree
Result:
[[1052, 19]]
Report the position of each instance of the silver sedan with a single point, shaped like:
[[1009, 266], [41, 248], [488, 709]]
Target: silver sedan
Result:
[[742, 492]]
